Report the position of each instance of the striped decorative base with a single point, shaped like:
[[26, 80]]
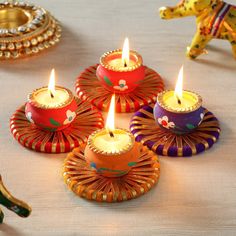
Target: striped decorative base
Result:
[[165, 143], [89, 88], [87, 183], [88, 120]]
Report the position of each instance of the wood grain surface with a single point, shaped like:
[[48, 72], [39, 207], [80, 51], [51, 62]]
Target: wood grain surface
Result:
[[195, 196]]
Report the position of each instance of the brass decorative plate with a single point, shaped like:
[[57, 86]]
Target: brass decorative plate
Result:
[[89, 88], [26, 29], [88, 120], [87, 183], [166, 143]]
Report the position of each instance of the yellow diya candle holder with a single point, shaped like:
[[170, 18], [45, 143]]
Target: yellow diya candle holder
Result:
[[26, 29], [113, 158]]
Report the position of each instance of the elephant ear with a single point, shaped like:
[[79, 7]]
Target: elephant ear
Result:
[[200, 5]]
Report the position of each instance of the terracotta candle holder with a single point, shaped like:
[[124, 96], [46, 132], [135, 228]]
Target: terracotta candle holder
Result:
[[111, 156], [48, 113], [121, 71], [179, 111], [179, 120]]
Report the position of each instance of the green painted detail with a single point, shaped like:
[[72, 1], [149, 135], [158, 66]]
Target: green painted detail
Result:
[[47, 128], [132, 164], [190, 126], [107, 80], [54, 122], [50, 129], [119, 172]]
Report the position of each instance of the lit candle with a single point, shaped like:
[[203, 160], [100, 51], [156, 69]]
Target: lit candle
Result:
[[121, 71], [180, 111], [51, 96], [51, 108], [111, 152]]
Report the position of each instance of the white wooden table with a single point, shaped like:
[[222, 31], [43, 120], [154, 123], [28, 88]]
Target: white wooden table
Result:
[[195, 196]]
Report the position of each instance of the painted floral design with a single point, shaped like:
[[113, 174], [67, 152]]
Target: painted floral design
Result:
[[70, 117], [122, 85], [201, 116], [164, 121], [29, 117], [204, 31]]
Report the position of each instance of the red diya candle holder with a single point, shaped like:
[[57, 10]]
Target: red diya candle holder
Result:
[[87, 120], [118, 78], [52, 116], [54, 120], [121, 72]]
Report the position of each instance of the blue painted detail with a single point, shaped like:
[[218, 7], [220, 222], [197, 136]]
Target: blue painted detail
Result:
[[93, 165]]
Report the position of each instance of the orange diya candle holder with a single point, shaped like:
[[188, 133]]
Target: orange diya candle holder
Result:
[[112, 158], [111, 152]]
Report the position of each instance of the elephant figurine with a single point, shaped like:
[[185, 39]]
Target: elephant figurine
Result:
[[216, 19], [6, 199]]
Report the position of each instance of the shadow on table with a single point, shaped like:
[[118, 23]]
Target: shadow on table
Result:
[[7, 229], [227, 56]]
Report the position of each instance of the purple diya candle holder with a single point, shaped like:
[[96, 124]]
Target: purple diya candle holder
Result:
[[179, 120], [167, 143]]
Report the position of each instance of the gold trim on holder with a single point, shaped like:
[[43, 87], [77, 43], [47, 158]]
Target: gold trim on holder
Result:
[[179, 110], [87, 120], [26, 29], [165, 143], [87, 183], [118, 52], [89, 88], [95, 149], [31, 98]]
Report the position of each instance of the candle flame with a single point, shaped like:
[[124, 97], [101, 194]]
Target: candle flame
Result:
[[110, 123], [125, 53], [179, 85], [51, 84]]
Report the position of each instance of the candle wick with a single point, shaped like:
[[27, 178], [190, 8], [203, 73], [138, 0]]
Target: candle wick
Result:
[[179, 101], [125, 64], [111, 134], [52, 96]]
